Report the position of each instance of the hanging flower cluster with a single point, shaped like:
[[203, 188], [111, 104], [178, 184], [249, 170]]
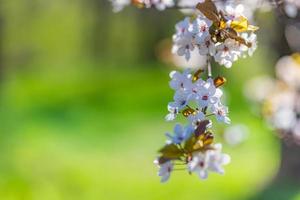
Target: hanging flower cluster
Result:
[[225, 36], [192, 145], [280, 98], [217, 35], [205, 94]]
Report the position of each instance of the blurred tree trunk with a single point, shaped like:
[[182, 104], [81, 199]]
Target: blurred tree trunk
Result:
[[1, 46], [289, 170], [286, 183], [290, 151]]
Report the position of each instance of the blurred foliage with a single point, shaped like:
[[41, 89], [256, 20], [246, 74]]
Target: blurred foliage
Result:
[[82, 105]]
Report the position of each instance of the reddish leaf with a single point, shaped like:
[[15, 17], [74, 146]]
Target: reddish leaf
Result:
[[201, 127], [209, 10], [162, 160], [219, 81]]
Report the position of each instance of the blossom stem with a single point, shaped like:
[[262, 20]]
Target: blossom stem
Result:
[[189, 107], [181, 148], [209, 72], [204, 110], [208, 115], [179, 163]]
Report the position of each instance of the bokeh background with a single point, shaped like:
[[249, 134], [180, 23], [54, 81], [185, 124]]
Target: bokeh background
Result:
[[83, 97]]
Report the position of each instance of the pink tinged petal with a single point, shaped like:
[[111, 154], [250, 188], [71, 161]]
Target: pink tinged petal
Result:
[[173, 74], [218, 169], [218, 93], [203, 174], [173, 84], [181, 51], [227, 120], [192, 166], [178, 129], [225, 159], [218, 147], [165, 178], [228, 64], [170, 117]]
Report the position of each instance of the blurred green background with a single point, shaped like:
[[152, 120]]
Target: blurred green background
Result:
[[82, 105]]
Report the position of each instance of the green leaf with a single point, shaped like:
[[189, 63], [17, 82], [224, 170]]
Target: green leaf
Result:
[[189, 144], [203, 141], [171, 151]]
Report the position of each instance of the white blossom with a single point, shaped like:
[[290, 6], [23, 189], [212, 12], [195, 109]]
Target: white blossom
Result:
[[181, 134], [165, 170], [209, 94], [207, 47], [280, 98], [227, 52], [252, 41], [196, 118], [180, 81], [216, 159], [195, 89], [199, 165], [173, 112], [234, 12], [196, 34], [183, 46], [288, 70], [284, 119], [181, 99], [201, 27], [221, 113], [183, 39], [210, 160], [291, 7], [158, 4], [183, 28]]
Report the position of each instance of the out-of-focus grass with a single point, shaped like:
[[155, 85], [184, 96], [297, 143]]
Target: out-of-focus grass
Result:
[[85, 132], [91, 135]]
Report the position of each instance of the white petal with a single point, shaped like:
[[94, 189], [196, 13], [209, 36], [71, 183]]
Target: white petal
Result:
[[165, 178], [170, 117], [203, 174], [225, 159]]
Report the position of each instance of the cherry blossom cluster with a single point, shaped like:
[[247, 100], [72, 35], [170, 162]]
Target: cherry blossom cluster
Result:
[[280, 98], [192, 145], [204, 94], [201, 163], [224, 36]]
